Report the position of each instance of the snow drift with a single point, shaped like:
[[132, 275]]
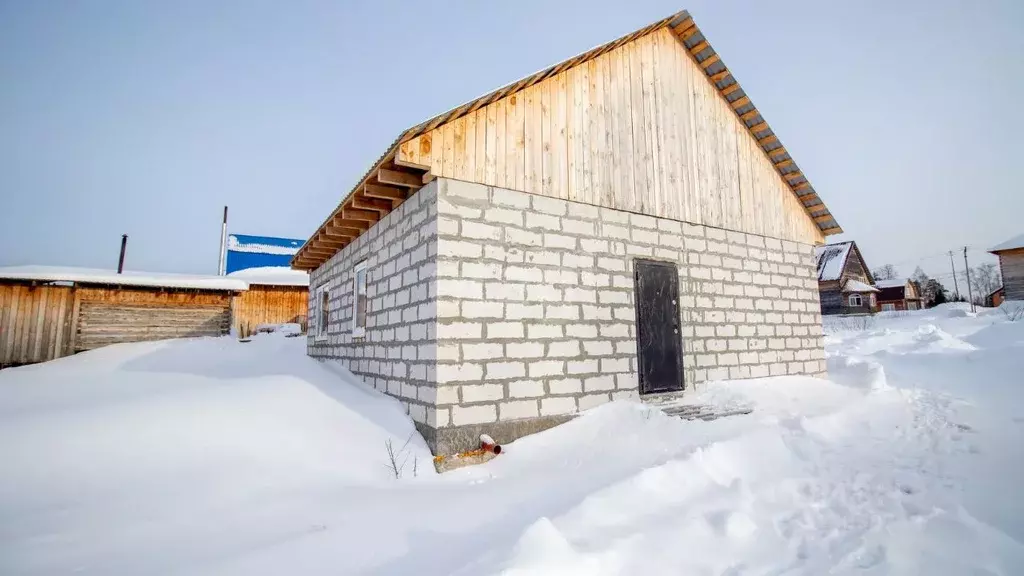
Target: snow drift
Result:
[[216, 457]]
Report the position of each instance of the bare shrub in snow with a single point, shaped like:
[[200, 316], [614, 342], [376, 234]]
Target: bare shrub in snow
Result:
[[860, 323], [398, 459], [1013, 313]]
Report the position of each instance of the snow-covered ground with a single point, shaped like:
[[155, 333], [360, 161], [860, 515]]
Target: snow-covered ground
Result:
[[218, 457]]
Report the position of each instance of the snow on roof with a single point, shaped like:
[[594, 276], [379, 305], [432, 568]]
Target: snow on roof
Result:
[[273, 276], [263, 244], [100, 276], [852, 285], [832, 260], [893, 283], [1011, 244]]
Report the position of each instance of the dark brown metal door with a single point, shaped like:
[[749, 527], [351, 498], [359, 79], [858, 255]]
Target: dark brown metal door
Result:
[[659, 343]]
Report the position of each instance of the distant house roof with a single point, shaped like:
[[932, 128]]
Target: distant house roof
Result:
[[1014, 243], [245, 251], [112, 278], [832, 260], [891, 283], [852, 285], [272, 276]]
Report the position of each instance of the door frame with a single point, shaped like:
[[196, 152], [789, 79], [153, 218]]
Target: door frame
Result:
[[677, 342]]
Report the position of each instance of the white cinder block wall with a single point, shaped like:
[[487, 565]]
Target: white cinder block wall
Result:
[[497, 311], [535, 306], [396, 355]]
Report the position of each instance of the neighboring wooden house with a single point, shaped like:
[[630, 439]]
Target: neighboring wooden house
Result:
[[1011, 265], [844, 280], [995, 298], [899, 294], [48, 312], [619, 224]]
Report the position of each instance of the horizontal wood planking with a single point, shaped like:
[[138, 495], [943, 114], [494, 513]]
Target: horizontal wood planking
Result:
[[104, 323], [644, 131], [1011, 265], [269, 305]]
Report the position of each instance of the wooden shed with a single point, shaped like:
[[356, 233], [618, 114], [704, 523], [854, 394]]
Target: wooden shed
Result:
[[1011, 266], [50, 312], [276, 295]]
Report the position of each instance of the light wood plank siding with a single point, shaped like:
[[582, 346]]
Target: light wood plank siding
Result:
[[1011, 264], [638, 128], [34, 323], [269, 305]]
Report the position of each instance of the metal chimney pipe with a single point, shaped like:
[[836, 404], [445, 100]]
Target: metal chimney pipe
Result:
[[222, 262], [120, 259]]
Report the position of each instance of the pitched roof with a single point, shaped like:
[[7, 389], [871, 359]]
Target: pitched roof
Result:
[[1012, 244], [715, 70], [112, 278], [832, 260], [852, 285], [891, 283]]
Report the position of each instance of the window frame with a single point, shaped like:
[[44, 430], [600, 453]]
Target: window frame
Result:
[[888, 307], [358, 331], [860, 300], [323, 319]]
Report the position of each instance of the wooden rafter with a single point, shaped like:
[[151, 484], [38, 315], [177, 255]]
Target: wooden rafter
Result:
[[385, 192], [783, 163], [719, 76], [739, 102], [768, 139], [709, 61], [699, 46], [730, 88], [823, 218], [357, 214], [759, 127], [397, 178], [807, 197], [367, 203], [748, 115], [801, 186]]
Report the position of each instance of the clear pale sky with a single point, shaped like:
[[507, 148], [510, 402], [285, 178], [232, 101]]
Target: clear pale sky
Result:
[[146, 118]]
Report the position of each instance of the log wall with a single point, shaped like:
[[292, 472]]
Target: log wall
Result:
[[40, 323]]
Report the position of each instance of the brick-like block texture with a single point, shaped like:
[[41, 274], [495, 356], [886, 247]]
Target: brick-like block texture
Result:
[[535, 303], [397, 354]]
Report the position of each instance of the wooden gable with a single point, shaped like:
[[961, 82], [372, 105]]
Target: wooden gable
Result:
[[639, 128], [653, 122]]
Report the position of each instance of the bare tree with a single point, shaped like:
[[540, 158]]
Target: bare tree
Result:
[[884, 272], [985, 279]]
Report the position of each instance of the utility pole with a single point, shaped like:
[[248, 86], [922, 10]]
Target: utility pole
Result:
[[953, 268], [120, 259], [967, 270]]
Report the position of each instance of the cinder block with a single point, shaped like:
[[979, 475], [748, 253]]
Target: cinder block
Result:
[[562, 312], [504, 215], [504, 291], [543, 222], [482, 351], [447, 395], [462, 415], [599, 383], [526, 389], [458, 372], [504, 330], [565, 386], [537, 331], [557, 405], [593, 400], [543, 293], [502, 370], [483, 309], [524, 274], [524, 350], [598, 348], [459, 331], [564, 349], [517, 409], [541, 368], [524, 311]]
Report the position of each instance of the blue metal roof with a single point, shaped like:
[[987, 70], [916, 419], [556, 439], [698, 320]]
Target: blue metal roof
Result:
[[247, 251]]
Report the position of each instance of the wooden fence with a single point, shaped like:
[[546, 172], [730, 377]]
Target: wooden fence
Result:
[[35, 323]]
